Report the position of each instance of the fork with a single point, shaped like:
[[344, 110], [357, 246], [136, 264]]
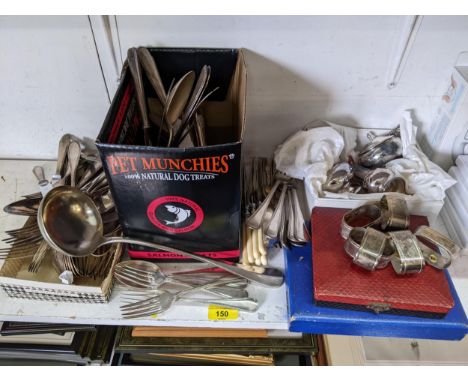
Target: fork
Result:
[[158, 301], [20, 252], [163, 301], [135, 278], [38, 257]]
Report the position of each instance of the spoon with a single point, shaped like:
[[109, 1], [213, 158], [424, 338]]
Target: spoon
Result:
[[156, 116], [23, 207], [62, 156], [135, 69], [197, 94], [151, 70], [300, 228], [155, 110], [190, 126], [70, 222], [73, 156], [200, 129], [177, 99], [277, 218], [90, 172], [255, 220]]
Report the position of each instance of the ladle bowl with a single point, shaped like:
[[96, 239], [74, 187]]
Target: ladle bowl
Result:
[[71, 224]]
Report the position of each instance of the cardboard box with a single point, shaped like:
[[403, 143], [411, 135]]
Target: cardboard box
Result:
[[188, 198]]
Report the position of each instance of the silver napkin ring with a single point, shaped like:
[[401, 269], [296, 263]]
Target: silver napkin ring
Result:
[[377, 180], [338, 177], [447, 247], [364, 213], [368, 248], [408, 257], [394, 213]]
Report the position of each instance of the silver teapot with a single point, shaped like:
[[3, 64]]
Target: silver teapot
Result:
[[381, 149]]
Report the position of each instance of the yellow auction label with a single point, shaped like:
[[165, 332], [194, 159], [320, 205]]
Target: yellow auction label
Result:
[[154, 315], [221, 313]]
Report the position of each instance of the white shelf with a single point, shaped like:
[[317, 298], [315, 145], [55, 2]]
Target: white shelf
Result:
[[16, 179]]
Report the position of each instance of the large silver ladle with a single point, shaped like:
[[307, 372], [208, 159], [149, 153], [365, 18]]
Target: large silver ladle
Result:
[[71, 224]]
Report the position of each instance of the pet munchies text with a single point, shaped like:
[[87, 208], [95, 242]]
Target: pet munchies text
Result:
[[127, 164]]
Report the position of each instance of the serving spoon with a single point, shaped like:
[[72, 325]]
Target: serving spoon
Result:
[[70, 222]]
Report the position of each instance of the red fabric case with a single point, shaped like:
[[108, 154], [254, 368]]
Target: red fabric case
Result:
[[340, 283]]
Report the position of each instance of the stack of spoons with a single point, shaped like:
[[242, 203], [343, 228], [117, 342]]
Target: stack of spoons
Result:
[[78, 165], [176, 114], [272, 211]]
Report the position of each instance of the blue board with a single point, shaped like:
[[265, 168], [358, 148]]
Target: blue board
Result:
[[306, 317]]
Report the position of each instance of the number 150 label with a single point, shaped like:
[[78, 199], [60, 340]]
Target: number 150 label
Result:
[[221, 313]]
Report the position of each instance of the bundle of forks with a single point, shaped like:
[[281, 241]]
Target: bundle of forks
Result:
[[147, 291]]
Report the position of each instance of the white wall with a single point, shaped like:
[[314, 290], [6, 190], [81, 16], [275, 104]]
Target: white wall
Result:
[[300, 69], [303, 68], [50, 84]]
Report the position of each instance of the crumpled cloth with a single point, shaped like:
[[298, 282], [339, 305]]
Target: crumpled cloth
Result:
[[423, 177], [309, 154]]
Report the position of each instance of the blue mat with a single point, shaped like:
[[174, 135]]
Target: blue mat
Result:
[[306, 317]]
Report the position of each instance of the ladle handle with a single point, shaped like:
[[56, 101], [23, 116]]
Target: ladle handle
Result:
[[268, 277]]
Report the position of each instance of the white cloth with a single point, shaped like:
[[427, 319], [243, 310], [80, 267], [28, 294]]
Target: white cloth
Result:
[[309, 154], [350, 136], [423, 177]]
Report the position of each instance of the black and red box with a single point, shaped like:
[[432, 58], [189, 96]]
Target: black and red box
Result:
[[187, 198]]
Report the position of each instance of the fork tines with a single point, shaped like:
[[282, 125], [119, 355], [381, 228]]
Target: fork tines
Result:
[[146, 305], [38, 257], [125, 279]]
